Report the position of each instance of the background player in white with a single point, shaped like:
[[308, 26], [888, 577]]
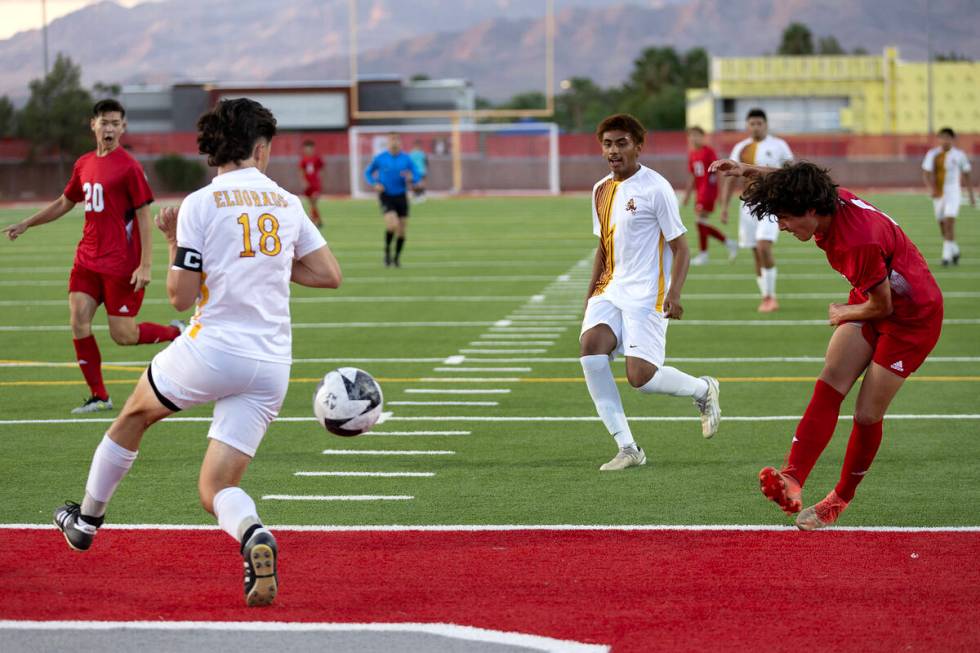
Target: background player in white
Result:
[[762, 149], [941, 170], [235, 246], [640, 267]]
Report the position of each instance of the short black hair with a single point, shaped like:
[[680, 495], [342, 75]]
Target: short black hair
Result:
[[696, 128], [308, 143], [108, 105], [756, 113], [622, 122], [228, 132], [792, 190], [947, 131]]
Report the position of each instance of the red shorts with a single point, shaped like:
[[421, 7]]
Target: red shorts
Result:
[[114, 291], [311, 190], [704, 204], [901, 348]]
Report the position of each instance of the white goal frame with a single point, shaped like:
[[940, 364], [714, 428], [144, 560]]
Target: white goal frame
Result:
[[454, 129]]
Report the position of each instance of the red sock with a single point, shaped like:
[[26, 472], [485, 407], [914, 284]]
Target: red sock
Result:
[[90, 362], [814, 431], [702, 237], [714, 233], [861, 450], [151, 333]]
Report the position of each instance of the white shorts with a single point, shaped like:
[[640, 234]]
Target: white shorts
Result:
[[640, 333], [247, 393], [751, 229], [947, 206]]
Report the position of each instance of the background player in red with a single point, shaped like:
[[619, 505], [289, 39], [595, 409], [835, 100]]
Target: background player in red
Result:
[[311, 164], [112, 262], [699, 157], [887, 328]]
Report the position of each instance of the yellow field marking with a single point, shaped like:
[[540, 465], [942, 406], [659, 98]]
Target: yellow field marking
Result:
[[570, 379], [118, 368]]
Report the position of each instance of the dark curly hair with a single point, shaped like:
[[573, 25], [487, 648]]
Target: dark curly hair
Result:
[[227, 133], [792, 190], [622, 122]]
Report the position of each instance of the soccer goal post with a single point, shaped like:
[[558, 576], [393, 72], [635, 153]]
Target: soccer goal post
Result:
[[491, 158]]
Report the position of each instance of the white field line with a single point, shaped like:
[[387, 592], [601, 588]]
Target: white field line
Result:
[[337, 497], [481, 369], [503, 351], [470, 379], [482, 528], [521, 418], [457, 391], [527, 330], [442, 403], [449, 631], [511, 343], [497, 335], [375, 434], [386, 452], [370, 474]]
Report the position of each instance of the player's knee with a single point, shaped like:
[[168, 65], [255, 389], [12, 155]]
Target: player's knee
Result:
[[866, 416], [639, 378], [206, 493], [122, 336]]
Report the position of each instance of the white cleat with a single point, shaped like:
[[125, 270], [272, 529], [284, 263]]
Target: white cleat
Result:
[[93, 405], [700, 259], [732, 246], [709, 408], [627, 457]]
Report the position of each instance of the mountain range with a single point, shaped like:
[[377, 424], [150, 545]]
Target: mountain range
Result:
[[497, 44]]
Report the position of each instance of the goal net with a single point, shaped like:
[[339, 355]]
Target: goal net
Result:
[[492, 158]]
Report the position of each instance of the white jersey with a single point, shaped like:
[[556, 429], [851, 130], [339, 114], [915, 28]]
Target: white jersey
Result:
[[634, 219], [946, 167], [771, 152], [248, 231]]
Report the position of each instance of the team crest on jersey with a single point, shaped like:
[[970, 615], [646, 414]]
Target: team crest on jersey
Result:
[[631, 206]]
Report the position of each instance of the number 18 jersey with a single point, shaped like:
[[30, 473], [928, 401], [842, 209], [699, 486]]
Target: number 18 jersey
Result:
[[247, 231]]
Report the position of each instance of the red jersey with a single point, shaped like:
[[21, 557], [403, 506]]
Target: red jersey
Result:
[[311, 166], [113, 187], [866, 247], [697, 163]]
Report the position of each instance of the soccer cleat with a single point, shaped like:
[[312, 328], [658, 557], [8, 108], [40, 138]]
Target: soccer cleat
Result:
[[627, 457], [78, 532], [823, 514], [956, 258], [700, 259], [768, 305], [781, 489], [709, 408], [93, 405], [260, 555], [946, 262], [732, 246]]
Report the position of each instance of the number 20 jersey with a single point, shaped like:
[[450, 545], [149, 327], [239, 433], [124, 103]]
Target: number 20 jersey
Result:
[[247, 231]]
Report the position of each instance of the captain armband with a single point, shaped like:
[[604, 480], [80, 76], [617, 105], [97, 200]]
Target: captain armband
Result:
[[187, 259]]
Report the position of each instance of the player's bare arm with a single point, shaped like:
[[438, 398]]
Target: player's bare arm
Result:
[[318, 269], [141, 275], [969, 187], [927, 179], [678, 274], [878, 306], [730, 168], [50, 213], [597, 267], [688, 191], [183, 286]]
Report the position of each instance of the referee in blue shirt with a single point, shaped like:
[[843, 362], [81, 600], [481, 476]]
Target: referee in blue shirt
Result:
[[387, 174]]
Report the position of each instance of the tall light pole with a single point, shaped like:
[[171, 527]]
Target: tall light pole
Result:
[[929, 66], [44, 33]]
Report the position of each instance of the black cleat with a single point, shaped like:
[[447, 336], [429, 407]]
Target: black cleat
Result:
[[387, 260], [78, 532], [261, 578], [956, 258], [397, 263]]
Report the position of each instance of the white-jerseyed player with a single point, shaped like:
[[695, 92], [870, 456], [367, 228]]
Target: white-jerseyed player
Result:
[[640, 267], [235, 246], [941, 170], [762, 149]]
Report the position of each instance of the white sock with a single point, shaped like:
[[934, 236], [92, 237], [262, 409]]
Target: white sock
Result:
[[956, 248], [760, 281], [235, 511], [769, 281], [947, 250], [605, 396], [110, 463], [671, 381]]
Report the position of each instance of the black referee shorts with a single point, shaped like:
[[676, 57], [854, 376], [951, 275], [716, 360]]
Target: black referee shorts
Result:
[[397, 204]]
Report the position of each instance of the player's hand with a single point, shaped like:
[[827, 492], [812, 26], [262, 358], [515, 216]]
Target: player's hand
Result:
[[729, 168], [724, 215], [836, 314], [14, 230], [166, 221], [379, 188], [140, 278], [686, 199], [672, 307]]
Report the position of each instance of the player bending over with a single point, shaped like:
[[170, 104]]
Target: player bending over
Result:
[[235, 246], [699, 157], [113, 259], [640, 267], [890, 323]]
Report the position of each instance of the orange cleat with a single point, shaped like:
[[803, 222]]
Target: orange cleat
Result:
[[781, 489], [768, 305], [823, 514]]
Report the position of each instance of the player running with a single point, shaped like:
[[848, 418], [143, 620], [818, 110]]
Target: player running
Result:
[[387, 174], [699, 157], [640, 267], [941, 170], [310, 166], [763, 149], [885, 331], [113, 259], [235, 246]]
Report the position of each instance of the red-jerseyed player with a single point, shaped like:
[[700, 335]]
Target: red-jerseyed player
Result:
[[311, 165], [888, 326], [699, 157], [112, 262]]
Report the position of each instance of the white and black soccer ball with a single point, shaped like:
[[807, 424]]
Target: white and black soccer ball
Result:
[[348, 401]]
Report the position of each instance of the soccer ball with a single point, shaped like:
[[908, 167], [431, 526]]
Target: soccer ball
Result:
[[347, 401]]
